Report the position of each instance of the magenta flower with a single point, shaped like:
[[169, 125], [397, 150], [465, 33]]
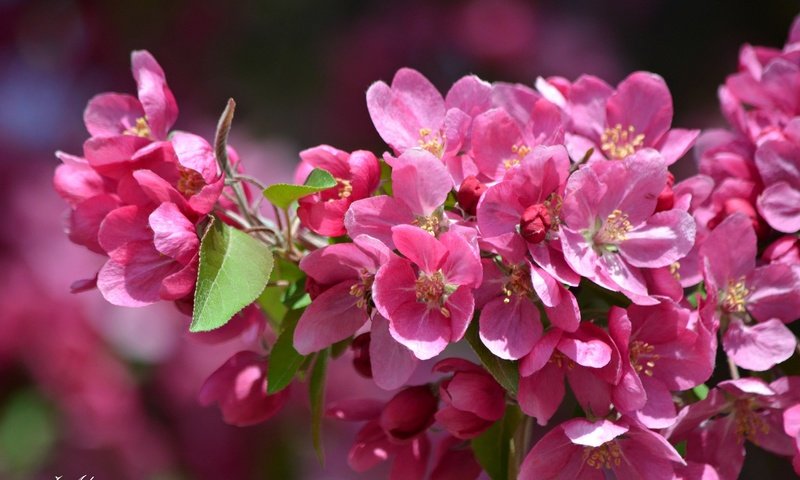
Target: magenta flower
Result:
[[522, 213], [343, 273], [357, 175], [740, 293], [239, 387], [509, 318], [610, 233], [421, 185], [664, 349], [618, 123], [473, 399], [779, 165], [582, 449], [588, 359], [427, 296], [737, 410], [454, 462]]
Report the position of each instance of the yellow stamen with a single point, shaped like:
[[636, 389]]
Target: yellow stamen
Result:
[[141, 129], [642, 357], [607, 455], [619, 142], [433, 143], [735, 296]]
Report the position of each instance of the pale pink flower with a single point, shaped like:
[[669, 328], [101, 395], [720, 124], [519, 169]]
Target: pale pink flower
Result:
[[357, 175], [779, 165], [582, 449], [427, 296], [610, 232]]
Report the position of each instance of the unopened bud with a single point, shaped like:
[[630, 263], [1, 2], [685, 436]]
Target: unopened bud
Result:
[[469, 194], [535, 223]]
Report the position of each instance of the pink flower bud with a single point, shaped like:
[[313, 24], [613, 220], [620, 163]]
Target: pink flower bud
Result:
[[666, 199], [361, 358], [409, 413], [469, 194], [535, 223]]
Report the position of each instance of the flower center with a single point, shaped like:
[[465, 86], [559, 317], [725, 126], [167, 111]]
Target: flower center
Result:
[[614, 230], [431, 142], [141, 129], [428, 223], [735, 296], [749, 423], [519, 152], [432, 290], [642, 357], [619, 142], [560, 360], [345, 187], [363, 289], [190, 181], [607, 455], [518, 283]]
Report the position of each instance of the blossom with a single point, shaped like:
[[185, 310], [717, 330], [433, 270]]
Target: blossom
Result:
[[473, 399], [665, 348], [357, 175], [580, 448], [427, 296], [791, 425], [739, 292], [240, 388], [421, 185], [610, 232], [615, 124], [779, 165]]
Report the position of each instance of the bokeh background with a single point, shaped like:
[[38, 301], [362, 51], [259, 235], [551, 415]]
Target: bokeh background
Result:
[[90, 389]]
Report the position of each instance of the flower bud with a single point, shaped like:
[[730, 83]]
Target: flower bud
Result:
[[469, 194], [666, 199], [535, 223], [409, 413]]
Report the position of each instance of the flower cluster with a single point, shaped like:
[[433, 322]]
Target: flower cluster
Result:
[[539, 224]]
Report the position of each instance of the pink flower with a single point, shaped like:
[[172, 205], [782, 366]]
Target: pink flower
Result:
[[357, 175], [791, 425], [779, 165], [740, 293], [737, 410], [421, 185], [240, 388], [618, 123], [610, 233], [589, 360], [344, 273], [473, 399], [427, 296], [579, 448], [665, 348], [522, 213], [455, 461], [509, 318], [412, 114]]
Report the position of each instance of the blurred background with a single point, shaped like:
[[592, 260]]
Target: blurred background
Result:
[[90, 389]]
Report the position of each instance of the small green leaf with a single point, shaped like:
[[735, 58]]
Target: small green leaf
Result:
[[493, 448], [270, 303], [504, 371], [28, 432], [316, 390], [283, 194], [284, 359], [234, 267], [680, 447], [701, 391]]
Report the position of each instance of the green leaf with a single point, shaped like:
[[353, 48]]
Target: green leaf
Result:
[[494, 448], [28, 432], [701, 391], [234, 267], [283, 194], [504, 371], [316, 390], [284, 359], [270, 303]]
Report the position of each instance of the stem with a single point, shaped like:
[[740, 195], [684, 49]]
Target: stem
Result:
[[221, 152], [289, 241], [733, 368]]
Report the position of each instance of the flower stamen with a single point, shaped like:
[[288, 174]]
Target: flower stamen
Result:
[[619, 142]]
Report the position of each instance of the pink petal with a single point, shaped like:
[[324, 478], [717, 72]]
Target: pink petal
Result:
[[110, 114], [675, 143], [470, 94], [134, 279], [420, 247], [123, 225], [494, 133], [328, 158], [664, 239], [509, 330], [780, 206], [392, 363], [420, 181], [156, 97], [541, 394], [181, 283], [643, 101], [375, 216], [541, 353], [759, 347], [478, 393], [324, 217], [730, 250], [592, 392], [86, 219], [587, 105], [173, 234], [112, 156], [592, 434], [659, 411], [774, 293], [331, 317], [462, 265], [591, 353], [411, 460]]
